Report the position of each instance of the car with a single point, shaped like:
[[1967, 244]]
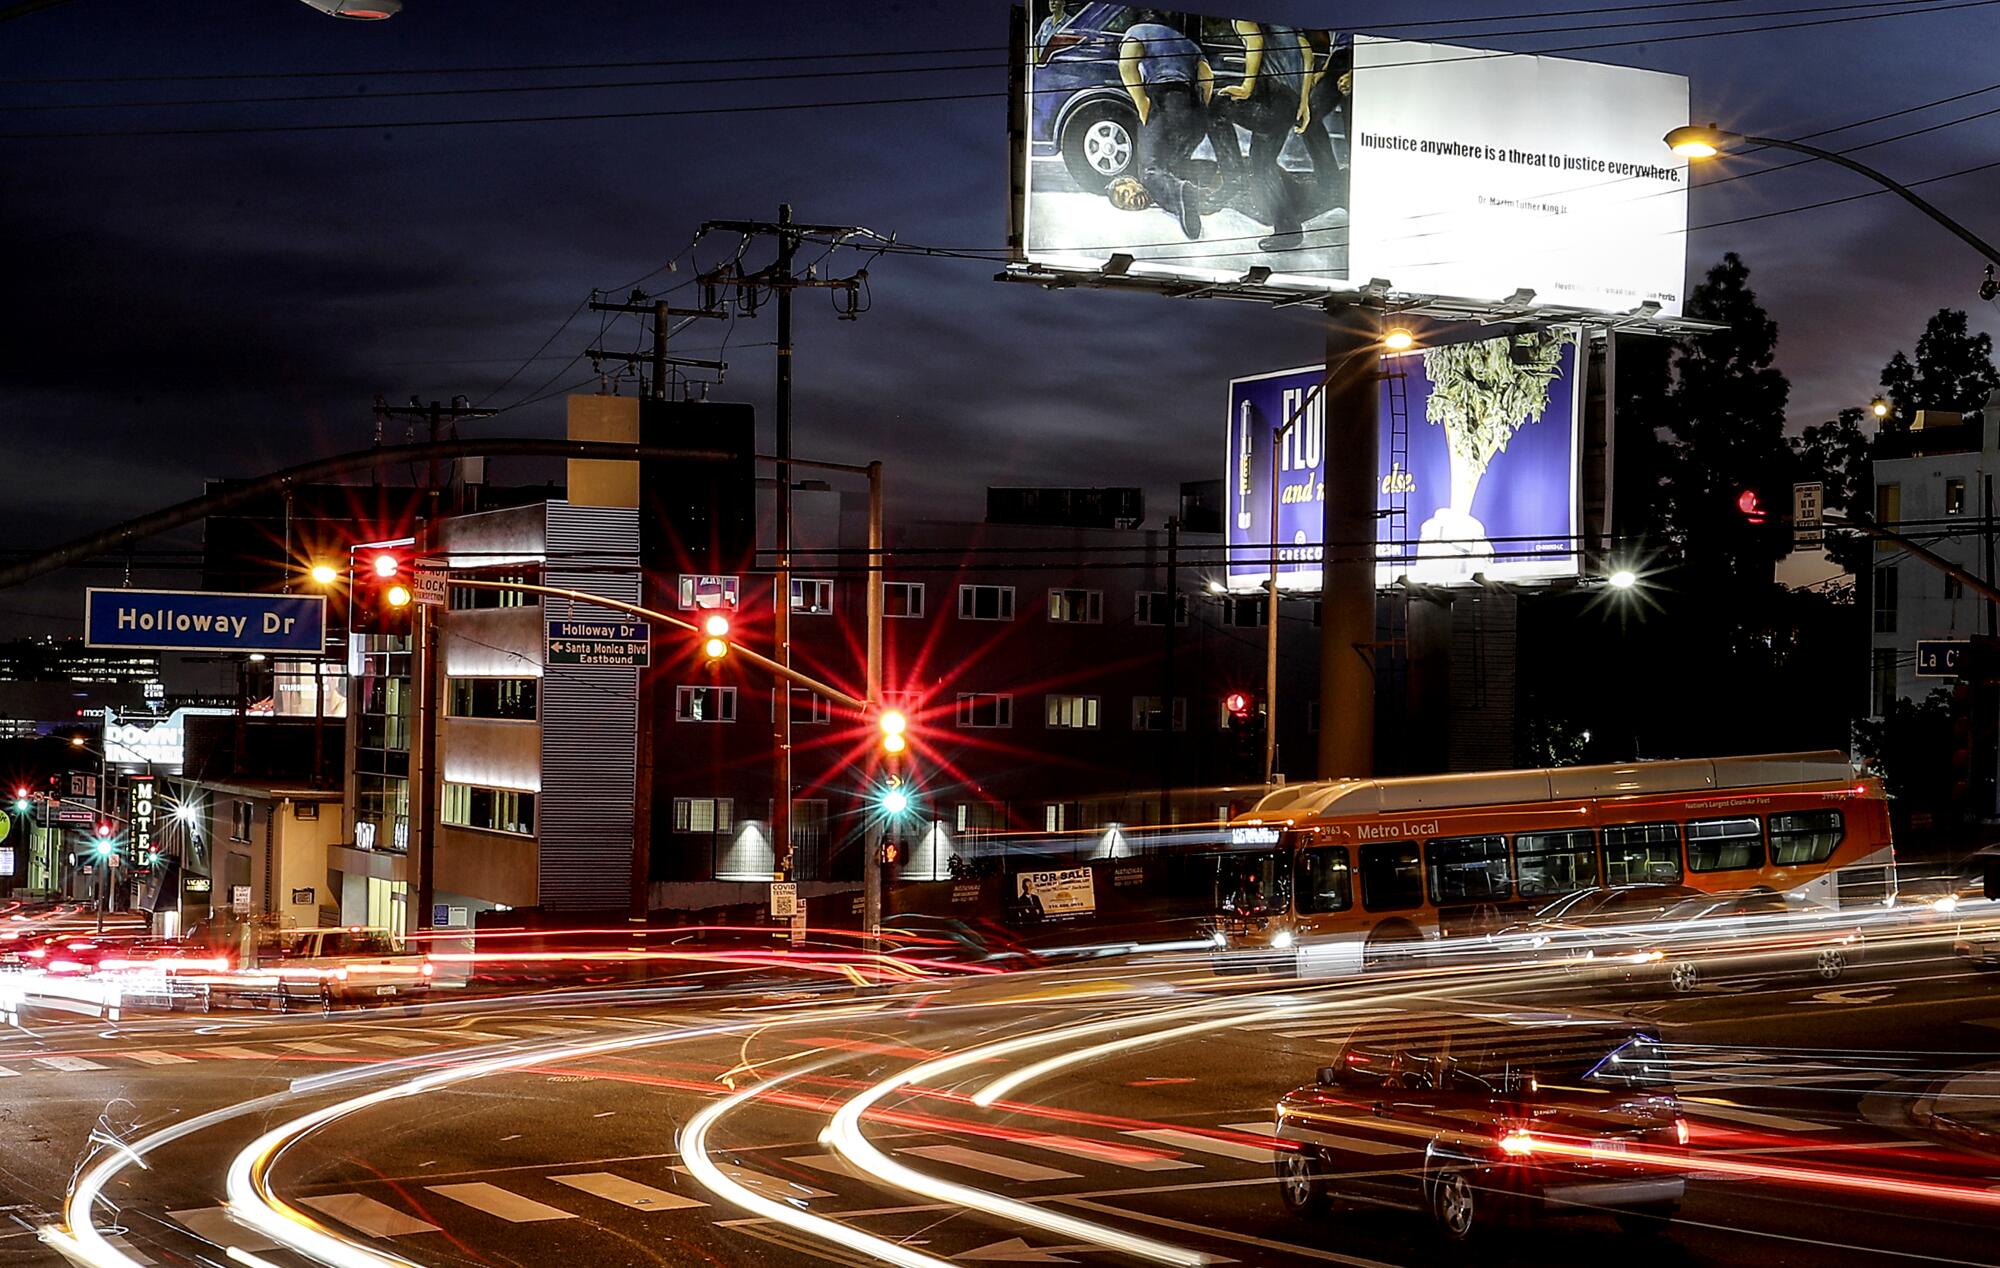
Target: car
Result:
[[1754, 931], [1483, 1120]]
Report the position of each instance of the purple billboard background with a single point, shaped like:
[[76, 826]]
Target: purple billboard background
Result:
[[1525, 502]]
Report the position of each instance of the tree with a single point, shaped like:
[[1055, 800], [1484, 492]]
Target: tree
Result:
[[1953, 370], [1836, 453], [1910, 747], [1725, 417]]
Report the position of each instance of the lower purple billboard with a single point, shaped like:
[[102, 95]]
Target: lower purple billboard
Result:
[[1476, 466]]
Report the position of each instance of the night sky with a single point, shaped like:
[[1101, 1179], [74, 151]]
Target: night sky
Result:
[[181, 307]]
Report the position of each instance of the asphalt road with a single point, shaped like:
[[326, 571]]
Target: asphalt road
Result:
[[531, 1150]]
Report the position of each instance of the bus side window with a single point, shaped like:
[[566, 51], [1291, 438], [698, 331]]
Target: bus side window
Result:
[[1468, 870], [1325, 881], [1805, 836], [1551, 863], [1392, 879], [1642, 854], [1725, 845]]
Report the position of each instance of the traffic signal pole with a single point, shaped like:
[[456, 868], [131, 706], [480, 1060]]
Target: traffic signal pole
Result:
[[871, 874]]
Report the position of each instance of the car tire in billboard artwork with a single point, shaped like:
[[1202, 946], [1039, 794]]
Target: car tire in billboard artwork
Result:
[[1100, 144]]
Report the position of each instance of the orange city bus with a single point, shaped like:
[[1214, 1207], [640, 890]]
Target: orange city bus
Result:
[[1355, 865]]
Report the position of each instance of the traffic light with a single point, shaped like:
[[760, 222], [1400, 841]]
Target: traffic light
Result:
[[1238, 705], [1753, 509], [895, 798], [895, 728], [106, 843], [380, 602], [891, 853], [716, 627], [22, 801]]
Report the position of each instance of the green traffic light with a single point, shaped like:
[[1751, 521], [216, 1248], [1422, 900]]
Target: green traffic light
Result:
[[895, 801]]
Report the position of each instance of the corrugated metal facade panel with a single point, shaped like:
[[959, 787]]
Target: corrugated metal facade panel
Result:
[[590, 720], [1483, 682]]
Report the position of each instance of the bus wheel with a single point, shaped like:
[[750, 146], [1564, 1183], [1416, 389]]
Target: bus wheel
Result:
[[1684, 976], [1830, 964]]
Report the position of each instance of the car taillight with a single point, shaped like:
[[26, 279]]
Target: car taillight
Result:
[[428, 968], [340, 975], [1517, 1143], [1681, 1130]]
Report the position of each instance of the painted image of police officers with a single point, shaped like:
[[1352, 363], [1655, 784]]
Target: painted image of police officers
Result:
[[1189, 81]]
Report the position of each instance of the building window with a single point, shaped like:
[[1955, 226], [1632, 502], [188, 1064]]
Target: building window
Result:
[[808, 708], [708, 592], [468, 597], [1245, 610], [1151, 608], [511, 699], [242, 817], [811, 596], [1888, 512], [1882, 680], [1885, 600], [705, 704], [986, 603], [1954, 497], [489, 809], [983, 710], [902, 598], [1072, 713], [1077, 607], [1148, 716], [1953, 587], [704, 814]]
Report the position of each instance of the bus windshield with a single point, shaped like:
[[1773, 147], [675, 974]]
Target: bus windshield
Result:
[[1258, 884]]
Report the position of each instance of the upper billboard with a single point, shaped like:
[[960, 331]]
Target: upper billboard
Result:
[[1478, 449], [1205, 147]]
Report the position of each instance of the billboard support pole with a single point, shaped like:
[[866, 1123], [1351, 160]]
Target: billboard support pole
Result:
[[1347, 594]]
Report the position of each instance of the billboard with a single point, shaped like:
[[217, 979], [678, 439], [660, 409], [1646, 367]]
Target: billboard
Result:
[[1477, 446], [1051, 894], [1204, 147]]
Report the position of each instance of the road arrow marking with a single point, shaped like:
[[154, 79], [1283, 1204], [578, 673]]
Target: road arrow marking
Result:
[[1850, 995]]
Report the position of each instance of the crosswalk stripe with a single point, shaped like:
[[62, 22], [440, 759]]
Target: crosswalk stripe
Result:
[[832, 1163], [365, 1215], [158, 1058], [991, 1164], [1206, 1144], [212, 1223], [768, 1185], [616, 1188], [505, 1204], [1254, 1129], [240, 1054], [318, 1049], [130, 1251], [1116, 1155], [394, 1041], [5, 1073], [1730, 1113], [69, 1063], [539, 1029]]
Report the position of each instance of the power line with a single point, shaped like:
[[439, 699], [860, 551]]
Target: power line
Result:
[[917, 99]]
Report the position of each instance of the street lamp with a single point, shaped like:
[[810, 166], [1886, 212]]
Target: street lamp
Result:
[[1623, 579], [1696, 141], [1879, 407], [1398, 339]]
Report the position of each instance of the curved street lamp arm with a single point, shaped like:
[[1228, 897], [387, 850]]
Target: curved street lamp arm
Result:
[[1966, 235]]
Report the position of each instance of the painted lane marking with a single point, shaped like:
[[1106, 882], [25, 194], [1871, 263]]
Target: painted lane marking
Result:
[[212, 1224], [1730, 1113], [989, 1164], [150, 1057], [315, 1048], [393, 1041], [1206, 1144], [616, 1188], [1129, 1157], [367, 1216], [769, 1186], [504, 1203], [69, 1063]]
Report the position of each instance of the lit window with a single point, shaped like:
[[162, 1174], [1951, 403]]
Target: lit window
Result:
[[812, 597], [705, 704], [708, 592], [510, 699], [489, 809], [1077, 607], [978, 709], [1954, 497], [704, 814], [902, 599], [986, 603], [1072, 713]]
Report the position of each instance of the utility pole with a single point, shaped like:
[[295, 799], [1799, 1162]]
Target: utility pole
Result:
[[779, 278], [1347, 593], [656, 356]]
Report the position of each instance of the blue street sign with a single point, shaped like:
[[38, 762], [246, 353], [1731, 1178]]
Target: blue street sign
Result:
[[204, 621], [1938, 658]]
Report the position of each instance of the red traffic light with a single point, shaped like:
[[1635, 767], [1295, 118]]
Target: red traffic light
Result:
[[716, 645], [104, 830], [1237, 703], [386, 565], [380, 601], [1753, 510]]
